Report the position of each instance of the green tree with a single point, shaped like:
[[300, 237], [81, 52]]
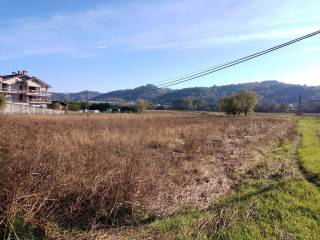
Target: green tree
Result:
[[102, 107], [229, 105], [247, 101], [182, 104], [76, 106], [142, 105], [283, 107], [199, 105], [243, 102]]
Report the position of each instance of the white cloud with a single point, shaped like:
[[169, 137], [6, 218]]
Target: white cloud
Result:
[[103, 46]]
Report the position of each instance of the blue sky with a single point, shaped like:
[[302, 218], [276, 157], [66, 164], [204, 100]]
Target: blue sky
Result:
[[108, 45]]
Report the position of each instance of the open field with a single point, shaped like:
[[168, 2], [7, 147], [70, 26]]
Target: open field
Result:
[[158, 176]]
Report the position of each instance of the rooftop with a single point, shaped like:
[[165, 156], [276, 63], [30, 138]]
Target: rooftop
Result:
[[23, 76]]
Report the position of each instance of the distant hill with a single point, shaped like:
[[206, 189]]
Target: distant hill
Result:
[[268, 91], [134, 94], [76, 97]]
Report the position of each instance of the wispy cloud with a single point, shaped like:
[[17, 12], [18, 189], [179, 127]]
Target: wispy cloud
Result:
[[166, 25], [103, 46]]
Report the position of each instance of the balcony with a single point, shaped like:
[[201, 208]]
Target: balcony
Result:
[[44, 101], [38, 93], [38, 100], [5, 90], [29, 92]]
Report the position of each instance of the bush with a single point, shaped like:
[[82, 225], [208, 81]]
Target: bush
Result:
[[76, 106], [182, 104], [102, 107], [142, 105], [129, 109]]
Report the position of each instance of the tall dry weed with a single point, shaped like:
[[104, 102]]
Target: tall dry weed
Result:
[[105, 170]]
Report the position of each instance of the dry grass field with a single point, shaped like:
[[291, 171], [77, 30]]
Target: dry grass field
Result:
[[105, 171]]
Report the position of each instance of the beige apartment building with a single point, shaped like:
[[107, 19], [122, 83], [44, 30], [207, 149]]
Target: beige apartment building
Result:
[[19, 87]]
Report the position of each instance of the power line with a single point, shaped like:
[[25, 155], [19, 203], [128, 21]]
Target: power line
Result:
[[228, 64], [181, 76]]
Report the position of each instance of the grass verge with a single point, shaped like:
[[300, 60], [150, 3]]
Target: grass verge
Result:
[[309, 151]]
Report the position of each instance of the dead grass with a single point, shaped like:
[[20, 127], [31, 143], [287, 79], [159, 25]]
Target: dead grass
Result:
[[88, 172]]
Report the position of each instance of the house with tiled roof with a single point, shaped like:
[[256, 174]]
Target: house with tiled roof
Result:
[[19, 87]]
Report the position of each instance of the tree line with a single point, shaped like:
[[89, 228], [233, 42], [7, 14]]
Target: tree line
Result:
[[238, 103], [102, 107]]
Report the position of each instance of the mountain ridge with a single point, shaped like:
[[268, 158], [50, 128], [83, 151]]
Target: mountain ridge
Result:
[[268, 91]]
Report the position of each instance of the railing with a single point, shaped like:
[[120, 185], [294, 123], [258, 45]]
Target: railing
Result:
[[46, 101], [38, 101], [39, 93], [29, 92], [11, 91]]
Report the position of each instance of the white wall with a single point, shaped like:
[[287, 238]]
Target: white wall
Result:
[[21, 108]]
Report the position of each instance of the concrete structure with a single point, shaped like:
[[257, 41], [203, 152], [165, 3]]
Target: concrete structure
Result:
[[19, 87], [26, 108]]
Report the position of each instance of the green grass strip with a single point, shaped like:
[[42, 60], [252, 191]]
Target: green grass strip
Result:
[[309, 151]]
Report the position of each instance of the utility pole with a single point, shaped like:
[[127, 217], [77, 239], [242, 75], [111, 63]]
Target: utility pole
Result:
[[300, 106], [67, 104], [87, 102]]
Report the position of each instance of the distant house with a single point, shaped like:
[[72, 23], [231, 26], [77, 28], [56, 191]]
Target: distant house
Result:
[[58, 105], [19, 87], [291, 108]]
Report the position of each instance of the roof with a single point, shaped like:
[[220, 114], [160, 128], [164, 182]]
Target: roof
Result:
[[31, 83], [61, 102], [41, 83], [10, 79], [6, 77]]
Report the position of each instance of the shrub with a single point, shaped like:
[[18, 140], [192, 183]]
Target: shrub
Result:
[[142, 105], [102, 107]]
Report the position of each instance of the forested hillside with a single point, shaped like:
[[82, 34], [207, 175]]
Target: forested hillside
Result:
[[268, 91], [77, 97], [271, 94], [148, 91]]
